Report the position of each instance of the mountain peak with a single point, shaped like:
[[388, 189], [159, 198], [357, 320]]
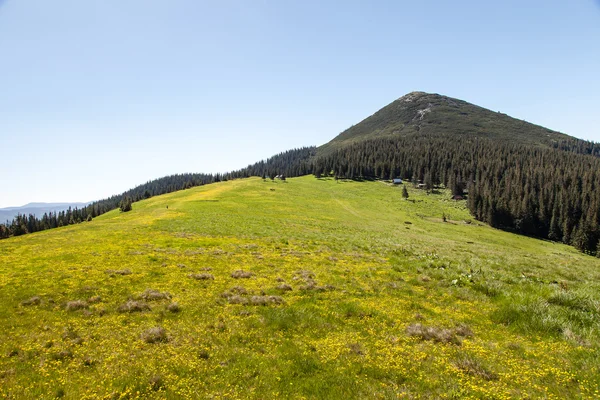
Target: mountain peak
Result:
[[431, 113]]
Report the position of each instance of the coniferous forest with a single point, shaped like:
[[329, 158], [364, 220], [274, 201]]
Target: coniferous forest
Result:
[[546, 192]]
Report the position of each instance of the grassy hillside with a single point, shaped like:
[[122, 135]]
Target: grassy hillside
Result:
[[387, 300], [420, 112]]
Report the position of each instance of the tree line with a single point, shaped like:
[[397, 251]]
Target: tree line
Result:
[[548, 192]]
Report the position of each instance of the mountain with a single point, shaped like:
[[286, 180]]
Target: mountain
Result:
[[517, 176], [299, 289], [37, 209], [426, 113]]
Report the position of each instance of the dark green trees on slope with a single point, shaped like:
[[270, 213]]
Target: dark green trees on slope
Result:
[[518, 176]]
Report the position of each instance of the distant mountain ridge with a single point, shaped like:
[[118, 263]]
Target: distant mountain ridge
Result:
[[37, 209], [427, 113]]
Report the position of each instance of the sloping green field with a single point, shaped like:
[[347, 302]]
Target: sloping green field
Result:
[[309, 288]]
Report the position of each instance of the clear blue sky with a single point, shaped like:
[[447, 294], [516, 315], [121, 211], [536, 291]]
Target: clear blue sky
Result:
[[97, 96]]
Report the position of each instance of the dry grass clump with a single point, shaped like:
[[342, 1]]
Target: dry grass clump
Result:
[[62, 355], [174, 307], [157, 334], [463, 330], [241, 274], [439, 335], [237, 299], [154, 295], [573, 337], [32, 301], [94, 299], [76, 305], [72, 335], [156, 383], [303, 275], [356, 348], [202, 276], [119, 272], [265, 300], [235, 295], [235, 290], [309, 282], [473, 367], [133, 306], [284, 287]]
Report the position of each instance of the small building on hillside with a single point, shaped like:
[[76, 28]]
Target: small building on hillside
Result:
[[397, 181]]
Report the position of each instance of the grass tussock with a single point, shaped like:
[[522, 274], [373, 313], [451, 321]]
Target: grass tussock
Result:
[[284, 287], [202, 276], [32, 301], [76, 305], [241, 274], [265, 300], [121, 272], [154, 295], [157, 334], [132, 306], [174, 307], [439, 335], [574, 301], [475, 367]]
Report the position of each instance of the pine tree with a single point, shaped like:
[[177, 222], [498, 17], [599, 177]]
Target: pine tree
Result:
[[125, 204]]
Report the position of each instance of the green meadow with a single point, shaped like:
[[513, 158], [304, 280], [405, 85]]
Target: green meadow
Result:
[[304, 289]]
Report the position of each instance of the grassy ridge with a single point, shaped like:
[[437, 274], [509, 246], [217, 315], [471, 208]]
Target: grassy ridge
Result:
[[387, 300]]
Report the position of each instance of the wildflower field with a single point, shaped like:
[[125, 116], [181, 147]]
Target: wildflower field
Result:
[[305, 288]]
